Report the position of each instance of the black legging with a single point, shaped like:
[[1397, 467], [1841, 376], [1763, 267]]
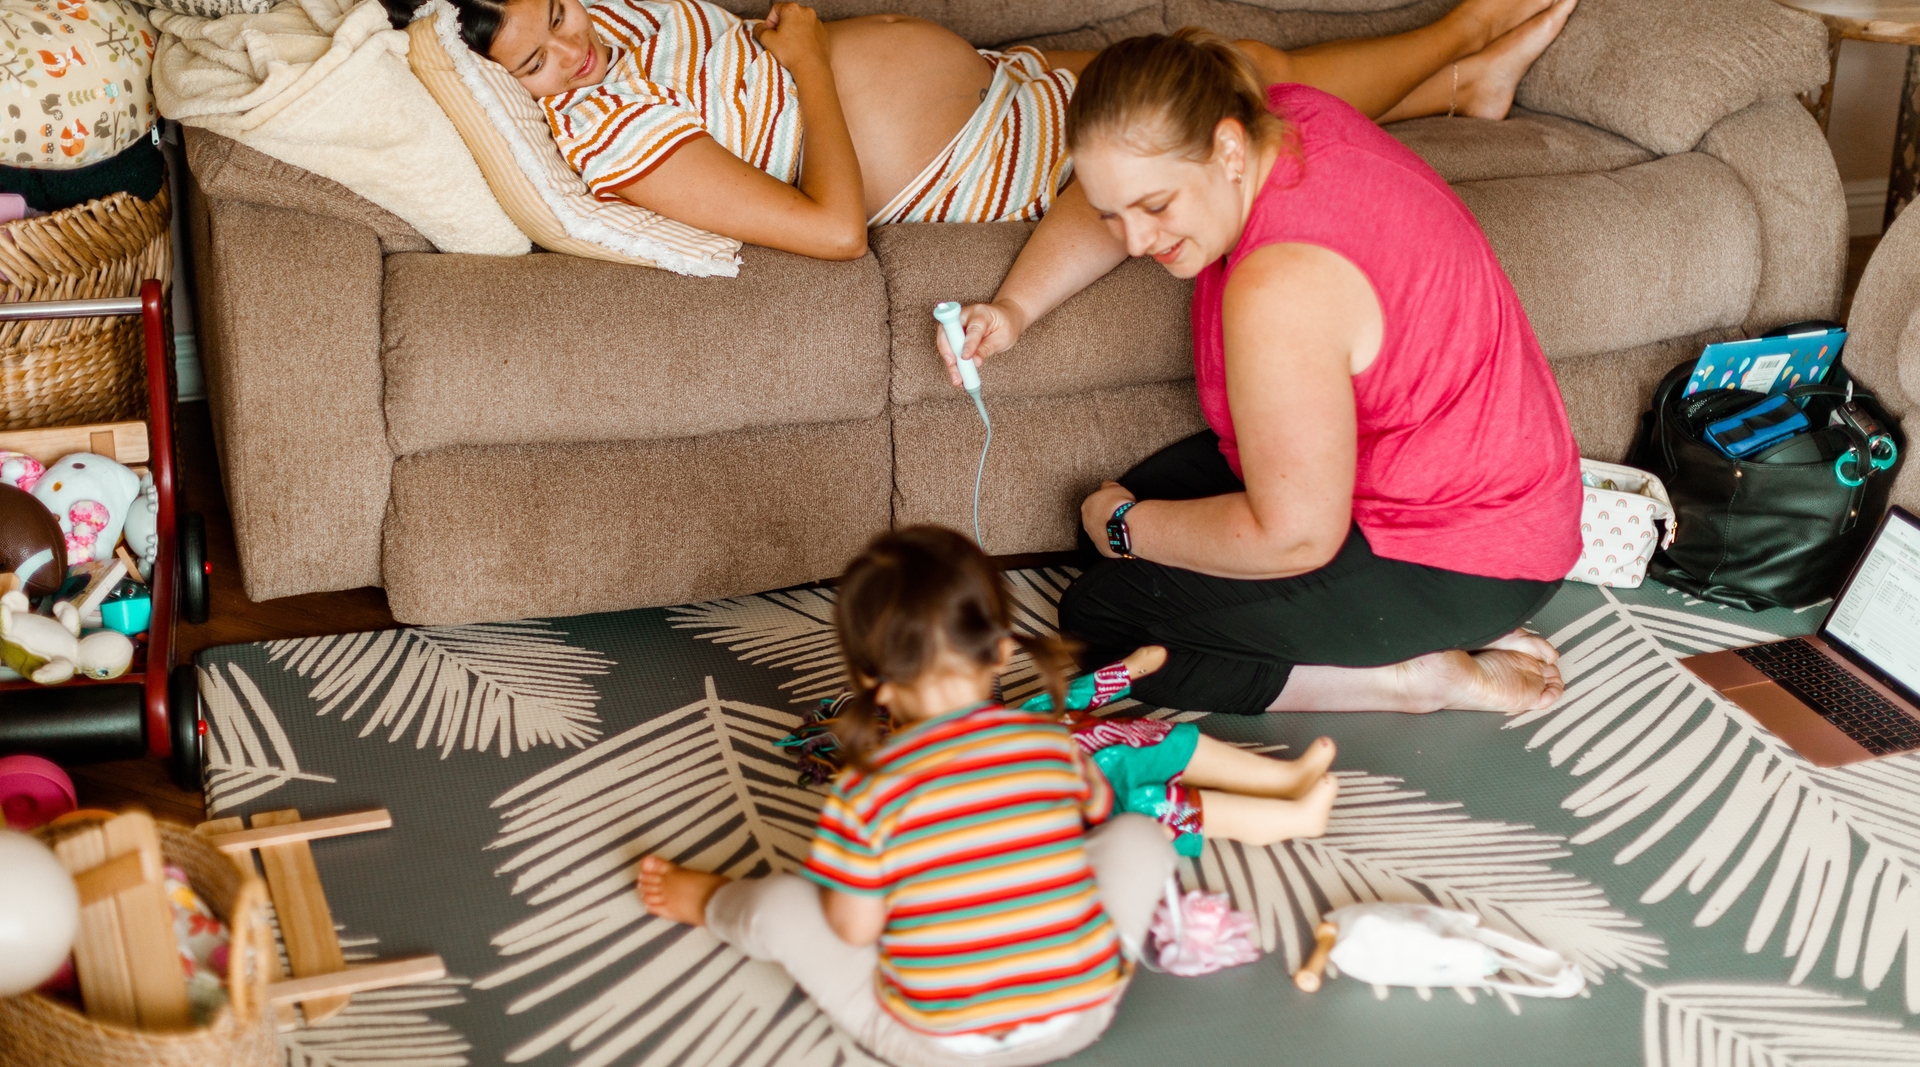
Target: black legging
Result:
[[1232, 642]]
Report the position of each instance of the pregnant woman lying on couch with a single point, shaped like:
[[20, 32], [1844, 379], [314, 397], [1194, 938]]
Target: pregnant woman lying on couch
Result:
[[1389, 487], [797, 134]]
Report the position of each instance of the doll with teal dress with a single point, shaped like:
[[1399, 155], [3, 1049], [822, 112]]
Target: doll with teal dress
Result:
[[1194, 785]]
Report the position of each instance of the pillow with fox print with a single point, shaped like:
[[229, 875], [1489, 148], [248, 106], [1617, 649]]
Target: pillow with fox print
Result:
[[73, 81]]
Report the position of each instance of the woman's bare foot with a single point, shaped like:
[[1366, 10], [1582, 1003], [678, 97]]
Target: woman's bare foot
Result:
[[1266, 820], [1525, 641], [1494, 19], [1495, 679], [1489, 78], [673, 892]]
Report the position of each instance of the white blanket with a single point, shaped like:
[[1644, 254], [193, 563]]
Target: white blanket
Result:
[[324, 85]]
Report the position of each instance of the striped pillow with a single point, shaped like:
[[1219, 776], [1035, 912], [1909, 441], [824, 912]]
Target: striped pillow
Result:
[[508, 135]]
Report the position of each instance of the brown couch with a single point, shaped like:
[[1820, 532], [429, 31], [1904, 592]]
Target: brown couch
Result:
[[541, 435]]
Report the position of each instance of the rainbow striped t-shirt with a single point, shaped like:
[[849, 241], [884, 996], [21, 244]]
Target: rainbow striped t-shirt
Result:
[[679, 69], [972, 825]]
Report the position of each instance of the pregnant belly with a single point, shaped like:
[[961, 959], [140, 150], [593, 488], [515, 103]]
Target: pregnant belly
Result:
[[906, 87]]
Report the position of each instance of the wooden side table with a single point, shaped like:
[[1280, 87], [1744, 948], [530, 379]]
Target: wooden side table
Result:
[[1889, 22]]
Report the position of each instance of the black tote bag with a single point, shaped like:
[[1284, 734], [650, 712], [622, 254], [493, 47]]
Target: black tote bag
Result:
[[1778, 528]]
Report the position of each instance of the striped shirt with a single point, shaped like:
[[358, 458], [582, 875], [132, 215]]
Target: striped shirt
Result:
[[679, 68], [972, 826]]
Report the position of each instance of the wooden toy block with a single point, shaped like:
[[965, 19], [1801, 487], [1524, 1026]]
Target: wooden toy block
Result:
[[126, 957], [299, 830], [285, 1017], [359, 978], [306, 923], [99, 959]]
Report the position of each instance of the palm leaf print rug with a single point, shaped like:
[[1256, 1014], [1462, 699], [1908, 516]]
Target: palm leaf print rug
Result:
[[1729, 902]]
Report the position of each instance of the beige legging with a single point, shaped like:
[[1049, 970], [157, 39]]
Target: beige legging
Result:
[[779, 919]]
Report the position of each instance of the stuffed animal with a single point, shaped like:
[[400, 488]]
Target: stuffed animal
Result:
[[90, 495], [31, 543], [143, 527], [50, 651], [19, 469]]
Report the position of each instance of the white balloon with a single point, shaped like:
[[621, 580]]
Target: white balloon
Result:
[[39, 913]]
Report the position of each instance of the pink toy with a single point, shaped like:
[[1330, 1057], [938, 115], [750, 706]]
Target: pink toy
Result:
[[34, 792], [1199, 934], [85, 520], [19, 470]]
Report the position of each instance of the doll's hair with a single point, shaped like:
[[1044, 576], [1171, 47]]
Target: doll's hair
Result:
[[1165, 93], [911, 596]]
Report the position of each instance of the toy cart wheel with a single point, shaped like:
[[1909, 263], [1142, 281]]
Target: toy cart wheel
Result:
[[194, 568], [183, 722]]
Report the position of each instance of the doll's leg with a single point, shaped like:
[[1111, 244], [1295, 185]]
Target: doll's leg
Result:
[[1216, 765], [1267, 820]]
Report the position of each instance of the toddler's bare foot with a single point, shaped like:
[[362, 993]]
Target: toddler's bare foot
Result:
[[1145, 660], [673, 892], [1496, 679], [1266, 820], [1310, 768], [1489, 78]]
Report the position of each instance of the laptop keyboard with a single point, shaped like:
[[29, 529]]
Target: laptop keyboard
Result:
[[1840, 698]]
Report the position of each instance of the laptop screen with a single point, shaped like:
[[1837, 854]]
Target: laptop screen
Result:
[[1878, 616]]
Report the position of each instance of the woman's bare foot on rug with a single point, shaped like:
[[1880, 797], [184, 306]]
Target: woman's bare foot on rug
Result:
[[1489, 78], [1527, 642], [1266, 820], [1218, 765], [1495, 679], [673, 892]]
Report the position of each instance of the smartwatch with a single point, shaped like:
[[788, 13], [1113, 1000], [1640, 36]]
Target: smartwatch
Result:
[[1118, 538]]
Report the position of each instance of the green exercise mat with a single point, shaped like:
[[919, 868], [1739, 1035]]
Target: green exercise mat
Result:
[[1730, 903]]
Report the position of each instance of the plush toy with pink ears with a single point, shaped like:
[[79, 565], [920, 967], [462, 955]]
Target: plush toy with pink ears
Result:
[[90, 495]]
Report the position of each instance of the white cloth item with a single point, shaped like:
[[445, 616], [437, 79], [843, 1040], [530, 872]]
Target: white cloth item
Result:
[[1617, 524], [1426, 947], [324, 85]]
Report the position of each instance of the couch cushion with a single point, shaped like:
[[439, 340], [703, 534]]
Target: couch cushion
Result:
[[1527, 145], [229, 170], [484, 350], [1626, 258], [1047, 455], [1129, 328], [983, 22], [1287, 24], [1662, 73], [642, 522]]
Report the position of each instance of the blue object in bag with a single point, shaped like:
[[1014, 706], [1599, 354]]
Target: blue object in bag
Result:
[[1771, 420]]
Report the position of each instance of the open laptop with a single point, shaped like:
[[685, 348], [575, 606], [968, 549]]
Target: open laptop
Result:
[[1851, 692]]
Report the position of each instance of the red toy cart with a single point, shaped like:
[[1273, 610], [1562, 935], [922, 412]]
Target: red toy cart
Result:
[[154, 707]]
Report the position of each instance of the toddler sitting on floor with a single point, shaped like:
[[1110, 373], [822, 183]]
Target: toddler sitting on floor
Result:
[[962, 911]]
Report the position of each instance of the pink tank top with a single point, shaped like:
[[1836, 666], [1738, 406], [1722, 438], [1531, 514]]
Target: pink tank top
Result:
[[1465, 458]]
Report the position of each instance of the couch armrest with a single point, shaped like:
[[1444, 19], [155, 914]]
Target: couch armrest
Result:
[[1662, 73], [1883, 343], [289, 333]]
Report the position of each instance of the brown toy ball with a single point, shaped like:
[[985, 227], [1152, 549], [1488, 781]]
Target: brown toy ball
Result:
[[27, 528]]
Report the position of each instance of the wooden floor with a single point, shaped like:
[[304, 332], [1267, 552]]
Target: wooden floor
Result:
[[235, 619]]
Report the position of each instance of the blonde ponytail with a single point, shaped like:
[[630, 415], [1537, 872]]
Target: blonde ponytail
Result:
[[1165, 93]]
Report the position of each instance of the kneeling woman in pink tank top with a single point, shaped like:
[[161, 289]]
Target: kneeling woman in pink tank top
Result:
[[1389, 487]]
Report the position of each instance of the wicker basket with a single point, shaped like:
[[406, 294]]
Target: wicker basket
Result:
[[61, 371], [37, 1031]]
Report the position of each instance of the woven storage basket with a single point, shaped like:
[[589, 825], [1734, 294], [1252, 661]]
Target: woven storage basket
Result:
[[37, 1031], [57, 372]]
